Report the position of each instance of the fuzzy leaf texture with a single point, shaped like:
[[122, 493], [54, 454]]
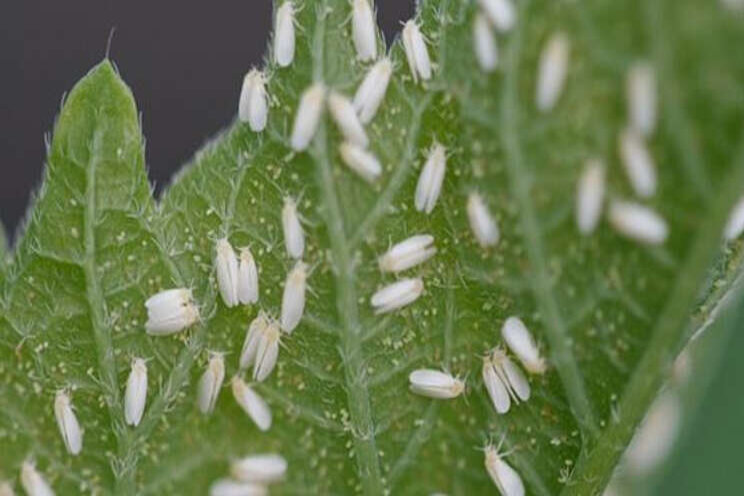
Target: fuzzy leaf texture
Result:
[[610, 314]]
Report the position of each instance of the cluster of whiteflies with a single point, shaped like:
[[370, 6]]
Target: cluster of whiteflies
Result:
[[631, 219], [499, 372], [134, 404], [505, 383], [173, 310]]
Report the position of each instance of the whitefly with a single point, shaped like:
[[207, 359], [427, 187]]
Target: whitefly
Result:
[[253, 106], [364, 30], [247, 278], [226, 267], [371, 92], [210, 383], [262, 468], [501, 13], [408, 253], [293, 298], [484, 44], [33, 482], [307, 118], [429, 185], [230, 487], [170, 311], [67, 422], [284, 34], [590, 193], [294, 236], [435, 384], [505, 478], [638, 162], [343, 113], [397, 295], [482, 223], [552, 71], [252, 404], [638, 222], [520, 341], [416, 51], [136, 392], [361, 161]]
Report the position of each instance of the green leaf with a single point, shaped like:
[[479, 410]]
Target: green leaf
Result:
[[611, 314], [4, 257]]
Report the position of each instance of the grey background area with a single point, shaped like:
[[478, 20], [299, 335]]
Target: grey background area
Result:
[[184, 62]]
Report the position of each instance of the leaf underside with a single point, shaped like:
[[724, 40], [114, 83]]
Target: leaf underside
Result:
[[610, 313]]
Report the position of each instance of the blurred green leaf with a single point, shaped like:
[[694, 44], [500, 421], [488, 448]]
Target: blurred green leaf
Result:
[[706, 458]]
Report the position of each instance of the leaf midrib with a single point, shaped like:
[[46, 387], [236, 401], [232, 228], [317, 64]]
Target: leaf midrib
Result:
[[360, 410], [101, 331]]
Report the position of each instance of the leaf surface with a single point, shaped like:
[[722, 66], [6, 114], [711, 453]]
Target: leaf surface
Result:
[[610, 314]]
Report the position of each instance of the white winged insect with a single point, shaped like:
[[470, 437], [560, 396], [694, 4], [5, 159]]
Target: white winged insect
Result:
[[416, 52], [506, 479], [361, 161], [501, 13], [261, 346], [638, 162], [735, 224], [247, 278], [210, 383], [364, 30], [136, 393], [484, 44], [408, 253], [642, 97], [371, 92], [261, 469], [308, 116], [552, 71], [230, 487], [435, 384], [67, 422], [252, 337], [482, 223], [343, 113], [397, 295], [253, 106], [430, 180], [638, 222], [520, 341], [655, 437], [294, 236], [504, 381], [252, 404], [293, 298], [33, 482], [284, 34], [590, 193], [170, 311], [226, 267]]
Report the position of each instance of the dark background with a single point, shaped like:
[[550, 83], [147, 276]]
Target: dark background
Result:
[[184, 61]]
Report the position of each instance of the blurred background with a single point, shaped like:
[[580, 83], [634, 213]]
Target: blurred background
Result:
[[185, 62]]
